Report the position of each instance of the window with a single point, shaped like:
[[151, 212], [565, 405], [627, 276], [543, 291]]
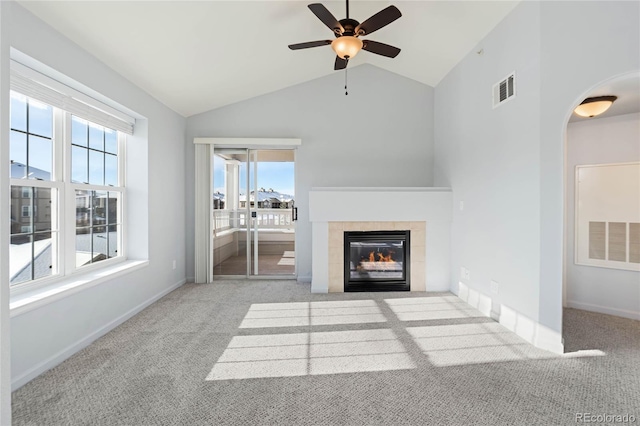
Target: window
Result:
[[66, 191], [608, 216]]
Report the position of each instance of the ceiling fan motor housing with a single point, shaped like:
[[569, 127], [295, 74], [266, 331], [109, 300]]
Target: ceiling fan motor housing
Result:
[[349, 26]]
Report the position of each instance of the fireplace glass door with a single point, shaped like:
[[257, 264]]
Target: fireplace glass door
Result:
[[376, 261]]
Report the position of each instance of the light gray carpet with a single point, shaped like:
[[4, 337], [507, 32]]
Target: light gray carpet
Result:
[[456, 368]]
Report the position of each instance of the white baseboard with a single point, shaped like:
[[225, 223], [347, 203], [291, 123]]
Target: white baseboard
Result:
[[56, 359], [304, 279], [533, 332], [604, 310], [191, 279]]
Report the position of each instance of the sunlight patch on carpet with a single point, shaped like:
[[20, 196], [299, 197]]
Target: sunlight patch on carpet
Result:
[[461, 344], [298, 314], [431, 308], [315, 353]]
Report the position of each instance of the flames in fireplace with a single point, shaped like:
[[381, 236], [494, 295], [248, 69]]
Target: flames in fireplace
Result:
[[381, 257], [377, 261]]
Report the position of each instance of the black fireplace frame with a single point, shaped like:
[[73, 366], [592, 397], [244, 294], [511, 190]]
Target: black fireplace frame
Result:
[[378, 284]]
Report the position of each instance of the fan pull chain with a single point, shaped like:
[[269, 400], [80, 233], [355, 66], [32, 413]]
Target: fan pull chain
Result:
[[345, 82]]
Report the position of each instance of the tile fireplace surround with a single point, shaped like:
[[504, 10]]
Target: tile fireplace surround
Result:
[[426, 212]]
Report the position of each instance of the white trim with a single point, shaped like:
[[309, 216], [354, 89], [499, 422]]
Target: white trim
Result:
[[533, 332], [203, 234], [635, 315], [250, 143], [27, 301], [61, 356]]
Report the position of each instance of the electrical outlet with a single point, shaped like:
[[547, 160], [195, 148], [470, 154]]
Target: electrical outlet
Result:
[[174, 264], [495, 287], [464, 273]]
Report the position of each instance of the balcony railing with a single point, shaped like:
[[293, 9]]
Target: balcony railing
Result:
[[265, 219]]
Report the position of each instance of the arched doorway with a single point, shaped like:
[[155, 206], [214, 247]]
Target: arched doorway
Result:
[[600, 264]]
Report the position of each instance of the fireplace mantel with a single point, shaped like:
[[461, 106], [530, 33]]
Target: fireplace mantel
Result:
[[426, 208]]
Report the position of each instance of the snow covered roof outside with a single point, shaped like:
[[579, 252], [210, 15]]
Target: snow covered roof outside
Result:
[[269, 194], [218, 196], [18, 171]]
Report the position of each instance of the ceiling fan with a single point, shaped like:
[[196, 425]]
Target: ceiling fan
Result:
[[348, 32]]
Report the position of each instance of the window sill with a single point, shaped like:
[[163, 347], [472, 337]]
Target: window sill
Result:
[[30, 300]]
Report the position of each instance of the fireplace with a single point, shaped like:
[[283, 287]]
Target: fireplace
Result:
[[376, 261]]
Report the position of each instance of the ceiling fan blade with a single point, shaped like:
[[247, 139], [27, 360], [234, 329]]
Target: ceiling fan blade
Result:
[[340, 63], [379, 20], [380, 48], [309, 44], [326, 17]]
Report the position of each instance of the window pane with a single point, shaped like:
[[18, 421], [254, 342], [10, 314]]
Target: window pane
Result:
[[83, 208], [110, 170], [111, 141], [18, 112], [99, 243], [83, 246], [113, 240], [96, 137], [112, 208], [96, 168], [20, 259], [79, 131], [99, 207], [18, 154], [42, 206], [40, 161], [40, 119], [79, 165], [20, 209], [42, 247]]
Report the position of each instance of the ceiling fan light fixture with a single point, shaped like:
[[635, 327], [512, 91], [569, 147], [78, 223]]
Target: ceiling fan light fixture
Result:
[[346, 47], [591, 107]]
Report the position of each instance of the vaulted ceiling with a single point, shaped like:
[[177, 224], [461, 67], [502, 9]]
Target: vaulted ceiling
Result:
[[200, 55]]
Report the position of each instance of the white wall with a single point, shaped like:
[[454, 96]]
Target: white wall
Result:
[[45, 336], [380, 135], [490, 159], [507, 164], [5, 340], [583, 44], [600, 141]]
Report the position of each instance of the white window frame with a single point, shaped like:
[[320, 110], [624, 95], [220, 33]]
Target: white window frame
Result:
[[70, 203], [63, 207], [583, 215]]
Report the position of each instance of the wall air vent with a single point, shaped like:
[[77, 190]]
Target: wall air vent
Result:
[[504, 90]]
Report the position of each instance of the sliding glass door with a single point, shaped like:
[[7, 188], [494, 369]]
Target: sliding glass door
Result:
[[253, 213]]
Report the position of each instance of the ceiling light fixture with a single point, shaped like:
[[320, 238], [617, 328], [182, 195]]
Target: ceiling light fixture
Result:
[[591, 107], [346, 47]]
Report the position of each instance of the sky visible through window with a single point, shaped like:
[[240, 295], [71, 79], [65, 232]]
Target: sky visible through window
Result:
[[278, 176]]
